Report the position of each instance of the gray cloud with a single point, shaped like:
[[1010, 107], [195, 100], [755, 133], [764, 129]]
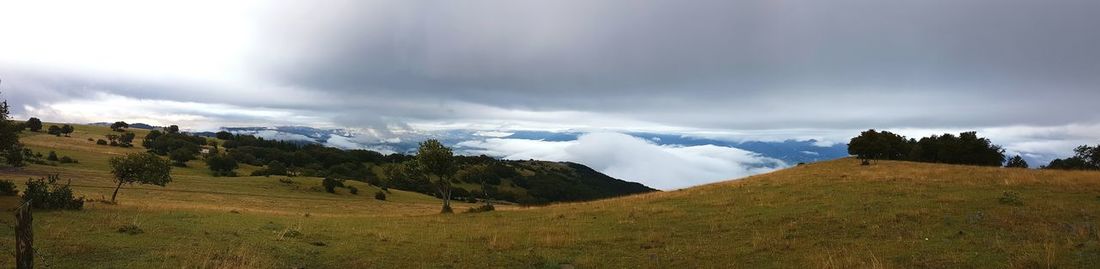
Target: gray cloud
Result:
[[804, 66], [709, 64]]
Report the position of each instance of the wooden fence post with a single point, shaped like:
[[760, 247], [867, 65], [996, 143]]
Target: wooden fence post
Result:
[[24, 237]]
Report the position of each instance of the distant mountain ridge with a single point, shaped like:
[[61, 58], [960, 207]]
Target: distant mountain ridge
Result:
[[789, 151]]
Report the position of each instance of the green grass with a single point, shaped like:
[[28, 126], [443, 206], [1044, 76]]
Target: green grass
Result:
[[834, 214]]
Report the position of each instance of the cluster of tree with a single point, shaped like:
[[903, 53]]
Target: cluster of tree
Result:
[[549, 182], [35, 125], [304, 159], [124, 140], [178, 147], [1085, 157], [59, 131], [966, 148]]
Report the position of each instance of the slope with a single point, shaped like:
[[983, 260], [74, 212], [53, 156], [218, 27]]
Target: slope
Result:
[[834, 214]]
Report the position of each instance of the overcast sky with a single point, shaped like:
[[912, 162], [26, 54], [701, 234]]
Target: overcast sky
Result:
[[1025, 71]]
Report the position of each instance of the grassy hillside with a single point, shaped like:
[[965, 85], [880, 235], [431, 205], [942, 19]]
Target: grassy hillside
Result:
[[834, 214]]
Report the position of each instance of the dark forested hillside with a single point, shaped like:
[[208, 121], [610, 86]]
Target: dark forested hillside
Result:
[[478, 177]]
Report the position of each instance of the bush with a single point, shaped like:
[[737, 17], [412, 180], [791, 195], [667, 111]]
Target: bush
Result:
[[91, 139], [1011, 198], [482, 208], [380, 196], [67, 159], [52, 156], [330, 184], [7, 188], [45, 193], [222, 165], [292, 232], [15, 157], [286, 181], [353, 190], [100, 142], [130, 229]]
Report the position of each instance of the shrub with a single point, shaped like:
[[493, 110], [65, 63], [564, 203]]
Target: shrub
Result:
[[7, 188], [353, 190], [1011, 198], [130, 229], [91, 139], [380, 196], [222, 165], [67, 159], [45, 193], [330, 184], [180, 156], [15, 157], [482, 208], [100, 142], [292, 232], [286, 181], [52, 156]]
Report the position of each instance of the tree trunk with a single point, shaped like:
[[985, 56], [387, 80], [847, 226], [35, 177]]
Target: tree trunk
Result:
[[116, 192], [445, 191], [484, 186]]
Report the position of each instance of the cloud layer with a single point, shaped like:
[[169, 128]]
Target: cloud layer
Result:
[[635, 159]]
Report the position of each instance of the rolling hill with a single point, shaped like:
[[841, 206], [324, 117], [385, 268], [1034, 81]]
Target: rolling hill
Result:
[[831, 214]]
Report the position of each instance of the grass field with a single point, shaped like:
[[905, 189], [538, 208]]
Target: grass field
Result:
[[834, 214]]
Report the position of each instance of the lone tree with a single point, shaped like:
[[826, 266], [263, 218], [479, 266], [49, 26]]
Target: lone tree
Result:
[[180, 156], [1016, 162], [54, 130], [437, 163], [142, 168], [34, 124], [126, 139], [119, 126], [221, 165], [67, 129]]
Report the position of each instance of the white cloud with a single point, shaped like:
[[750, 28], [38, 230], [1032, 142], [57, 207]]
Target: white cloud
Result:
[[105, 107], [635, 159], [493, 133]]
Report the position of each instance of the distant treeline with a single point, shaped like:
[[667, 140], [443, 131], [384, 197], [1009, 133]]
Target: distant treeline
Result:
[[526, 182], [1084, 158], [966, 148]]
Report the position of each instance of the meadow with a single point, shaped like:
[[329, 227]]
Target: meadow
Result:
[[833, 214]]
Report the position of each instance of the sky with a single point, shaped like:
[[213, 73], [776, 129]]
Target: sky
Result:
[[1024, 73]]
